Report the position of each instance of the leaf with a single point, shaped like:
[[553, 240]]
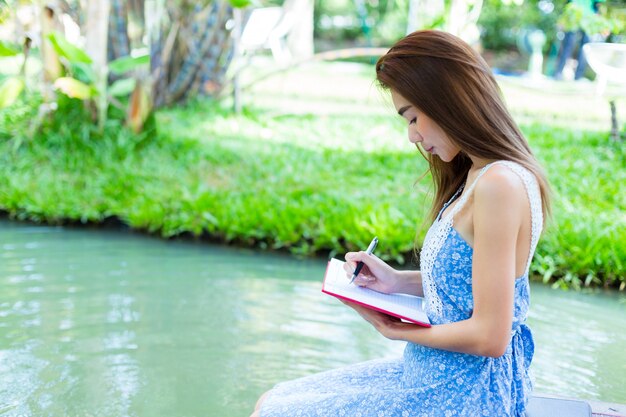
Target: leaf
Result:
[[10, 90], [128, 63], [6, 49], [73, 88], [210, 218], [121, 88], [68, 50], [239, 3], [139, 108], [83, 72]]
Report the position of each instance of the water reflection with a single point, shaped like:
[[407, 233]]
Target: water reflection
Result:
[[116, 324], [581, 342]]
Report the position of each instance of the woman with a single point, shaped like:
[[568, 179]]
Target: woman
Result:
[[490, 201]]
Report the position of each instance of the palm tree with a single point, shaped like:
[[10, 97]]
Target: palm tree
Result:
[[189, 44], [118, 39], [190, 48]]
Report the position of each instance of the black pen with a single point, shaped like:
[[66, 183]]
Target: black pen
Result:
[[359, 265]]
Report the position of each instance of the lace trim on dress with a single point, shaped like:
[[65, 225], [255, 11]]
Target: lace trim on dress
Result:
[[432, 245], [434, 240], [438, 233], [534, 198]]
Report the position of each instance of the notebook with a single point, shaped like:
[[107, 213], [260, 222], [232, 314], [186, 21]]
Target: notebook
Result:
[[404, 306]]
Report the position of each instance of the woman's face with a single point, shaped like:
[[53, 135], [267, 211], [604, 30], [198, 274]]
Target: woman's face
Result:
[[424, 130]]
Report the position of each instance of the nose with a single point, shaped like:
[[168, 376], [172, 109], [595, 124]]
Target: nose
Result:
[[414, 137]]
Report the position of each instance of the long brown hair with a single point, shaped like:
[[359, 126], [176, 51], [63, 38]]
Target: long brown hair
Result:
[[449, 82]]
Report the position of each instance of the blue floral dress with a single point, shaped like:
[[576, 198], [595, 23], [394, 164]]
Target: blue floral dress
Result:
[[426, 381]]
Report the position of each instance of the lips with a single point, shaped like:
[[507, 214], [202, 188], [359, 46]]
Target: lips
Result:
[[429, 150]]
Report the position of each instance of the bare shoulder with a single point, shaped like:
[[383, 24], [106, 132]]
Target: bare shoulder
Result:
[[500, 187]]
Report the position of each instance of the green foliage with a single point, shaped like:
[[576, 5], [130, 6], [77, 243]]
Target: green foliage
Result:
[[571, 17], [616, 13], [6, 49], [74, 88], [11, 87], [10, 90], [586, 244], [122, 88], [15, 121], [67, 50], [574, 17], [240, 3], [376, 22], [84, 82], [6, 7], [288, 183], [502, 22], [125, 64]]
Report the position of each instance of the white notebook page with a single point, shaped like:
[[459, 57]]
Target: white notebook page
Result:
[[401, 305]]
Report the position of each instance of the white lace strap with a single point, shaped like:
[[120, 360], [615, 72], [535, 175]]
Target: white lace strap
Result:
[[534, 199]]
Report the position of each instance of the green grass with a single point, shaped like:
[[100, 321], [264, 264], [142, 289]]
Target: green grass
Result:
[[287, 179], [586, 241]]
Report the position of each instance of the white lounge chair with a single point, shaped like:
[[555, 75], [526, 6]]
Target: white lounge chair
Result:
[[267, 28], [608, 61]]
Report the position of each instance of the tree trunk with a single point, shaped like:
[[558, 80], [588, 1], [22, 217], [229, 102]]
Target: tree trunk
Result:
[[51, 63], [96, 40], [96, 29], [462, 20], [424, 14], [118, 41], [190, 50], [458, 17]]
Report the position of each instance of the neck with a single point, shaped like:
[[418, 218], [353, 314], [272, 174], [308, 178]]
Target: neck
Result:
[[479, 163]]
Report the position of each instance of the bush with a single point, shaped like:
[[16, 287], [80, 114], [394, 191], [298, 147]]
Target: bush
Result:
[[502, 21], [291, 183]]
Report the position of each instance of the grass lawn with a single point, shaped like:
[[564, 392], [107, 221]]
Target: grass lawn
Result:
[[317, 163]]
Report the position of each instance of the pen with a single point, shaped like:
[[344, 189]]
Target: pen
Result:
[[359, 265]]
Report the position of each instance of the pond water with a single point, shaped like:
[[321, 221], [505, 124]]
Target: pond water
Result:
[[112, 323]]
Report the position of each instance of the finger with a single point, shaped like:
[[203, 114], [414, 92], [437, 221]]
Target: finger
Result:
[[364, 279], [349, 268], [370, 263], [351, 260], [356, 256], [365, 276], [350, 256], [361, 256]]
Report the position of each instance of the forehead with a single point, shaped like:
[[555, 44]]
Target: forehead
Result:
[[399, 101]]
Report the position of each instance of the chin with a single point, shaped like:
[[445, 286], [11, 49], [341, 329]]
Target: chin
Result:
[[447, 157]]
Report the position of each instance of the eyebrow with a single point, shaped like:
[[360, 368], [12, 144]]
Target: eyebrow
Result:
[[403, 109]]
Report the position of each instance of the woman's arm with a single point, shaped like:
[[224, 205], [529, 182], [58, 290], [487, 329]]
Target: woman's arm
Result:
[[411, 283], [499, 208]]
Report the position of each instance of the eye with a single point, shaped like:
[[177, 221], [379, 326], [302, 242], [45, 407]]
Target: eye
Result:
[[413, 120]]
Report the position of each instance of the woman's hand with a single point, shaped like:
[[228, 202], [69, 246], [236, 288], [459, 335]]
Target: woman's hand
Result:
[[375, 274], [383, 323]]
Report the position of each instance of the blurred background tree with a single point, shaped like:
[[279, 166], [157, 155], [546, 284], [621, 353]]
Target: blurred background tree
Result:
[[161, 53], [381, 22], [94, 51], [189, 44], [502, 20]]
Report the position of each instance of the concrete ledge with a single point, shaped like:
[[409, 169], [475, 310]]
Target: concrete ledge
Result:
[[556, 406]]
